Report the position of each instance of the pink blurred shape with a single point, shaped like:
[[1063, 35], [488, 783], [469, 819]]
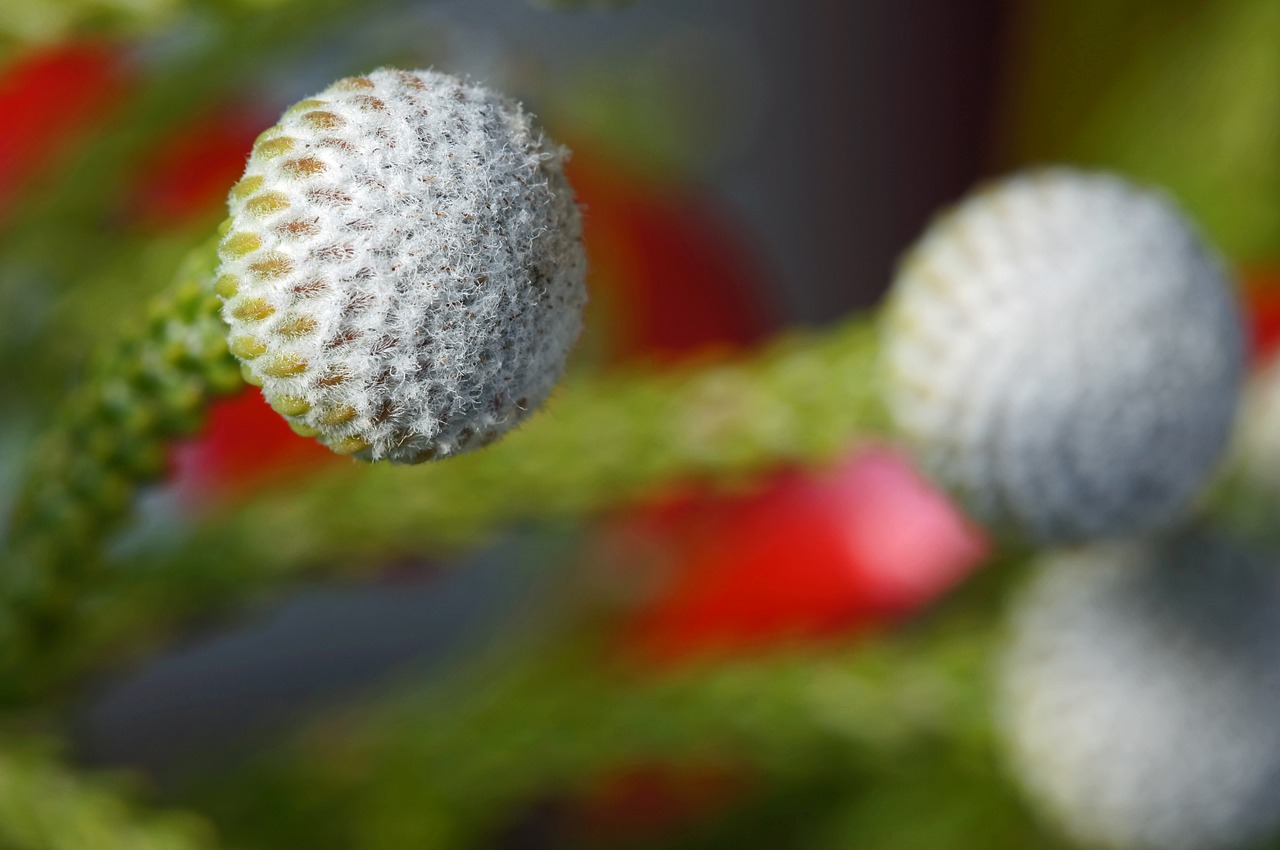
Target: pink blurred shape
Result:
[[810, 555]]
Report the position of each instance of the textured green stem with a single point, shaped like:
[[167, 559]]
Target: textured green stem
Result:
[[443, 772], [44, 806], [603, 442], [109, 439], [241, 43]]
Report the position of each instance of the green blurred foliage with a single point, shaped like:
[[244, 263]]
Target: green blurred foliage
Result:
[[1180, 93], [46, 806]]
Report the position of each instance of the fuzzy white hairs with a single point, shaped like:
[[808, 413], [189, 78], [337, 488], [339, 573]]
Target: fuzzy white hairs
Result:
[[403, 267], [1139, 689], [1066, 356]]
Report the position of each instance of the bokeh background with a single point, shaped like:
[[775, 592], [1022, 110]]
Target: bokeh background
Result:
[[746, 167]]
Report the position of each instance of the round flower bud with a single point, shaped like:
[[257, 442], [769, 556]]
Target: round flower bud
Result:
[[1065, 355], [1139, 691], [403, 267]]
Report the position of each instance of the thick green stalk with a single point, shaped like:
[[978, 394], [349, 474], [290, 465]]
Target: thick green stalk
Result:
[[604, 442], [444, 769], [227, 48], [45, 806], [110, 438]]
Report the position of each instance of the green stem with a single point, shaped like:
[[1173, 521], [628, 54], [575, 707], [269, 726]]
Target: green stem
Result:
[[239, 44], [110, 438], [604, 441], [442, 769], [45, 806]]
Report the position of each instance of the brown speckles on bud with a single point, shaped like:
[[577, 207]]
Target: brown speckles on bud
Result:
[[369, 103], [323, 120], [354, 84], [310, 288], [284, 366], [379, 294], [339, 415], [298, 228], [274, 147], [303, 167], [272, 266], [329, 197], [296, 326]]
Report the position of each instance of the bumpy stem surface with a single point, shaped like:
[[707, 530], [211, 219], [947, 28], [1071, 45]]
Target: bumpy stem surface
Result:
[[446, 770], [45, 806], [109, 440], [606, 441]]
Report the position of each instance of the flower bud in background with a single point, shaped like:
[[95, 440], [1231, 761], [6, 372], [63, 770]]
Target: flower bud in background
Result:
[[403, 268], [1138, 694], [1065, 355]]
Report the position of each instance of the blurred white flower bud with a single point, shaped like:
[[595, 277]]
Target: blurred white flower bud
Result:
[[1140, 691], [1066, 355]]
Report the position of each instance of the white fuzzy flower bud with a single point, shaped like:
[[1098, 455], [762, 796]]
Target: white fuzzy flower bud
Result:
[[1139, 694], [1066, 355], [403, 270]]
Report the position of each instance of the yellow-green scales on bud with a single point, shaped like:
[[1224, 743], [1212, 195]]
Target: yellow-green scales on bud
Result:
[[403, 267]]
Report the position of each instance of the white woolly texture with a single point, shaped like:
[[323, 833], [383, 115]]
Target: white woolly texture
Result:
[[403, 271], [1066, 355], [1139, 694]]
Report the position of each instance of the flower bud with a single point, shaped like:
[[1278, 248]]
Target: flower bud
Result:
[[403, 268], [1065, 354]]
